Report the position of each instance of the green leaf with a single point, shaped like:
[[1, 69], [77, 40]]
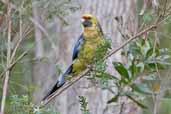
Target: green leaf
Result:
[[126, 93], [141, 88], [123, 81], [100, 65], [113, 99], [150, 77], [140, 67], [149, 53], [147, 17], [153, 64], [133, 68], [121, 69], [137, 102], [108, 76], [84, 105]]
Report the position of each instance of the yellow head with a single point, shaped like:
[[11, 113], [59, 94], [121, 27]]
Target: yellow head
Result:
[[89, 21]]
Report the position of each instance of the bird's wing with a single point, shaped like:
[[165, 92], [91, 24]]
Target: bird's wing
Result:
[[61, 79], [77, 47]]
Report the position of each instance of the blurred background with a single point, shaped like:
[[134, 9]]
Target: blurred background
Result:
[[45, 31]]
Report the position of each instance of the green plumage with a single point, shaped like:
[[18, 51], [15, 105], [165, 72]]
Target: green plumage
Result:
[[92, 40]]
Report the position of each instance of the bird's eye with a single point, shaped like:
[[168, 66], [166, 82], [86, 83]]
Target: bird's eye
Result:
[[89, 18]]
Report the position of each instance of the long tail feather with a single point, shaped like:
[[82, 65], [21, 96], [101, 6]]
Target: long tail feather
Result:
[[59, 83], [55, 87]]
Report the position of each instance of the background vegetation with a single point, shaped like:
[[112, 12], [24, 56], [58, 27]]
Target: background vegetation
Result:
[[36, 44]]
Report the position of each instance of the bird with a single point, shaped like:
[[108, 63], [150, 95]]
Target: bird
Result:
[[84, 50]]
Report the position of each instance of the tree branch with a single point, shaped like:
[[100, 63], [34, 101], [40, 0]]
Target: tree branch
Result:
[[5, 86], [130, 39], [20, 38], [12, 64], [42, 29]]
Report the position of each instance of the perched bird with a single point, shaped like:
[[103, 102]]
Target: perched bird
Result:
[[84, 49]]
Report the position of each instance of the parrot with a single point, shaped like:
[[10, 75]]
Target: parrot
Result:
[[84, 49]]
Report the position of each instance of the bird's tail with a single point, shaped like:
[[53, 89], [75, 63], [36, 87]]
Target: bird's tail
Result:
[[60, 82]]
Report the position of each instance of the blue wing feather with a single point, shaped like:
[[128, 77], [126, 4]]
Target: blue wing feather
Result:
[[76, 47]]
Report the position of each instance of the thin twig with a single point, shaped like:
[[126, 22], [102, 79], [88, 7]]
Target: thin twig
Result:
[[128, 41], [121, 108], [18, 59], [38, 25], [156, 96], [166, 17], [20, 38], [12, 64], [5, 86]]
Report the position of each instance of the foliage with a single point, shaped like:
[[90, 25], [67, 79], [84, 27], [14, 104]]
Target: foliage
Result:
[[84, 105], [22, 105], [99, 65], [57, 8], [139, 77], [20, 84], [143, 58]]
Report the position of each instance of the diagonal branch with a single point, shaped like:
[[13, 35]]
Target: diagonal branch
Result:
[[12, 64], [130, 39], [42, 29]]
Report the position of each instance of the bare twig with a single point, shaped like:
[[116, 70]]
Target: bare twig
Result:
[[128, 41], [5, 86], [39, 26], [121, 108], [20, 39], [12, 64], [166, 17], [13, 55], [39, 49]]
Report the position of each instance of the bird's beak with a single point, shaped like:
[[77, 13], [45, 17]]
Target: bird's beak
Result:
[[82, 20]]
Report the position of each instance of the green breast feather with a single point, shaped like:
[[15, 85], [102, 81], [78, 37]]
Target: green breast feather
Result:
[[86, 53]]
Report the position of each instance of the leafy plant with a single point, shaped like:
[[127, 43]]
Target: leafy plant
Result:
[[84, 105], [22, 105], [143, 58]]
